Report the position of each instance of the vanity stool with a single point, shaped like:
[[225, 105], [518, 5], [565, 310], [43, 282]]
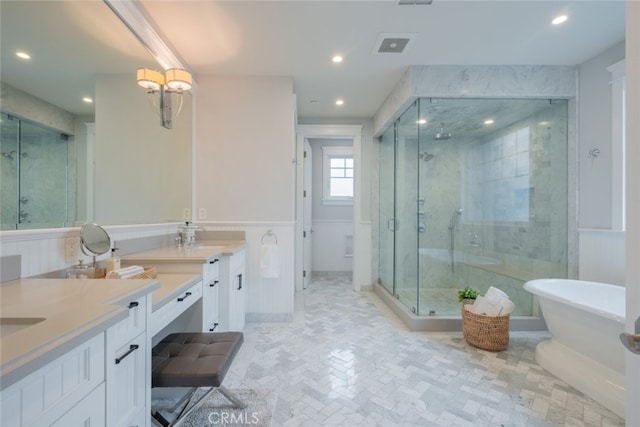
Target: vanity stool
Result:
[[194, 359]]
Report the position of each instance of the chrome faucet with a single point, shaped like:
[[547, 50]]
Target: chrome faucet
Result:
[[187, 234], [474, 239]]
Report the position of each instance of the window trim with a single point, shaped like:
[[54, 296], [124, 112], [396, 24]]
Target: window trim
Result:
[[327, 153]]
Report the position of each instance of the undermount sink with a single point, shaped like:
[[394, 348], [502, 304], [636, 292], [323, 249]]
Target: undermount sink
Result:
[[205, 247], [11, 325]]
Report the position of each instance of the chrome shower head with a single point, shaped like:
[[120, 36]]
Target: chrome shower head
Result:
[[442, 135]]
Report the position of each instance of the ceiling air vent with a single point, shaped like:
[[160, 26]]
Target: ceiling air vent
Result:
[[393, 43], [414, 2]]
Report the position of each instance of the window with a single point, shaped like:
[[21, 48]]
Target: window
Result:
[[337, 177]]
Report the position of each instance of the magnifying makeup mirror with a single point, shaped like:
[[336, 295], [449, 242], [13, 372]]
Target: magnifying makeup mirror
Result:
[[94, 240]]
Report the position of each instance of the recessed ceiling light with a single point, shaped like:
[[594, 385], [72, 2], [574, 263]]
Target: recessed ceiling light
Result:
[[421, 121], [337, 59], [339, 102], [559, 19], [87, 99], [488, 122], [23, 55]]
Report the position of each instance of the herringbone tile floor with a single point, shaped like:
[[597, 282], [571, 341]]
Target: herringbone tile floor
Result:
[[346, 360]]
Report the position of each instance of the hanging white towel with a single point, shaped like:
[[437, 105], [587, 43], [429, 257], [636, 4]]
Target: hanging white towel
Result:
[[269, 261]]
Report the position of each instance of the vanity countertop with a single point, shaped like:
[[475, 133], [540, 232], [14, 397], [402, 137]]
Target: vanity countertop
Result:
[[73, 310], [204, 251]]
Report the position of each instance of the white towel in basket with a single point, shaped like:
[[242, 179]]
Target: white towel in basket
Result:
[[126, 272]]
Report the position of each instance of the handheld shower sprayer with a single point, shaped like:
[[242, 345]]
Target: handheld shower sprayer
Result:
[[455, 215]]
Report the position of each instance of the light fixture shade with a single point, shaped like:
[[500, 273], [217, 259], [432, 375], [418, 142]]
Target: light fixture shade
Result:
[[178, 79], [150, 79]]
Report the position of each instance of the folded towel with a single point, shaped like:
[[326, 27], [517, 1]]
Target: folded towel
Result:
[[125, 273], [269, 261]]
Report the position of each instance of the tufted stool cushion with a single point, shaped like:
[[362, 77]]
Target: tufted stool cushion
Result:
[[198, 359]]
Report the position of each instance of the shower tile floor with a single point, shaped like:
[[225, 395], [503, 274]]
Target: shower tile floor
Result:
[[346, 360], [443, 301]]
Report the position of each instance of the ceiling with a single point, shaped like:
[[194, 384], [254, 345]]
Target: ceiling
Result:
[[298, 38]]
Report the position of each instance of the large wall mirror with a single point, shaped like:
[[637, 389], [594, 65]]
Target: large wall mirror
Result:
[[64, 161]]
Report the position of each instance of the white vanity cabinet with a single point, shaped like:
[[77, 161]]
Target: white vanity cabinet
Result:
[[232, 291], [63, 392], [210, 295], [127, 379]]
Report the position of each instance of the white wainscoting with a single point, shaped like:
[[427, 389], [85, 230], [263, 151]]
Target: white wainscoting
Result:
[[267, 299], [329, 246], [601, 256], [43, 250]]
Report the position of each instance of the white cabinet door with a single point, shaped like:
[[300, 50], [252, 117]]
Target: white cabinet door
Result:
[[126, 382], [210, 296], [232, 292], [49, 392], [89, 412], [127, 366], [237, 299]]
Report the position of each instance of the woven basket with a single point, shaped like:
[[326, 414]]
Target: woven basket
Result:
[[485, 332], [149, 273]]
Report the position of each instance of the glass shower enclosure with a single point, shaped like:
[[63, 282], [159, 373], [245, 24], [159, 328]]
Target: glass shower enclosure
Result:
[[473, 192], [33, 173]]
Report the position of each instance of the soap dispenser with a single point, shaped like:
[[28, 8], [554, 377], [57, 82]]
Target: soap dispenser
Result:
[[113, 263]]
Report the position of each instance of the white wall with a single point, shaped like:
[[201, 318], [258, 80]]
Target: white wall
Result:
[[245, 175], [601, 250], [594, 131], [245, 148]]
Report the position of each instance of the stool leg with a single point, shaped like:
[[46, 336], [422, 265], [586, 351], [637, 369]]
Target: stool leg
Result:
[[232, 397]]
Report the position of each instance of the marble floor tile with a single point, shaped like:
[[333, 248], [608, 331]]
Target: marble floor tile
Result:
[[347, 360]]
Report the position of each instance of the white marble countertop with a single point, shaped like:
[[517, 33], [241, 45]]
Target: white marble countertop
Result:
[[73, 310], [201, 252]]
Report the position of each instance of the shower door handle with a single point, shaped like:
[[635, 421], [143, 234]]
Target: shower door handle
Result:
[[391, 224]]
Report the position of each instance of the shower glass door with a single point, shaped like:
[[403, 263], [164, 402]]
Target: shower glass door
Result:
[[34, 175], [493, 176], [386, 229], [407, 209]]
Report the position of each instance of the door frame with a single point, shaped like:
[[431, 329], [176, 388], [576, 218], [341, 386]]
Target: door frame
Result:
[[361, 241]]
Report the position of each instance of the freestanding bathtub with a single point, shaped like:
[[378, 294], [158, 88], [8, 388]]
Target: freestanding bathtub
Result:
[[585, 320]]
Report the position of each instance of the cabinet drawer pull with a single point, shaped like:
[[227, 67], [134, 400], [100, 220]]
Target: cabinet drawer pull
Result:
[[215, 325], [239, 281], [184, 297], [212, 284], [133, 304], [214, 261], [132, 348]]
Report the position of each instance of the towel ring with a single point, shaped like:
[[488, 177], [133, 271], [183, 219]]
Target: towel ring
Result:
[[269, 234]]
